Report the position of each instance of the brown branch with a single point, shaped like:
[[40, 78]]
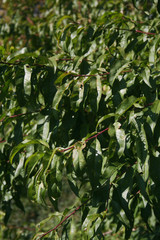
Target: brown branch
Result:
[[90, 75], [107, 233], [64, 59], [71, 74], [78, 208], [72, 59], [30, 20], [136, 30], [20, 114], [72, 213], [68, 216], [148, 33], [106, 129], [96, 135]]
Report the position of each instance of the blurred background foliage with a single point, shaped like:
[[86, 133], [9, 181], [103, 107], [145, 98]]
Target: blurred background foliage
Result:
[[69, 69], [32, 25]]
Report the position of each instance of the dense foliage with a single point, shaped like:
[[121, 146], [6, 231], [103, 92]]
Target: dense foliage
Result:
[[79, 103]]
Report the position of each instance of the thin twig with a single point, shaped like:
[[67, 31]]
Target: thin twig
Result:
[[68, 216], [20, 114], [96, 135], [72, 213], [148, 33], [136, 30], [106, 129]]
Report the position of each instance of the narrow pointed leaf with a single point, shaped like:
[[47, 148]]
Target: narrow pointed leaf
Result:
[[116, 70], [126, 104], [27, 80], [146, 75], [25, 144], [99, 90], [59, 94], [120, 135]]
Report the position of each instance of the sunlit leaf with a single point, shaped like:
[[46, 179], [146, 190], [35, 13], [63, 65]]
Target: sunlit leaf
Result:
[[59, 94], [116, 70], [27, 80], [99, 91], [78, 157], [63, 18], [25, 144], [120, 135], [125, 105], [146, 75], [155, 108]]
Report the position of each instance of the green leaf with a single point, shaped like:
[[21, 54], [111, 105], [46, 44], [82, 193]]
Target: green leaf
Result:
[[125, 105], [118, 67], [53, 158], [21, 52], [143, 137], [2, 50], [105, 117], [99, 90], [27, 80], [81, 95], [78, 158], [32, 161], [121, 138], [31, 188], [142, 186], [53, 62], [146, 168], [56, 216], [61, 77], [60, 93], [25, 144], [19, 167], [146, 76], [40, 192], [134, 3], [77, 95], [153, 50], [94, 162], [155, 108], [46, 127], [59, 22]]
